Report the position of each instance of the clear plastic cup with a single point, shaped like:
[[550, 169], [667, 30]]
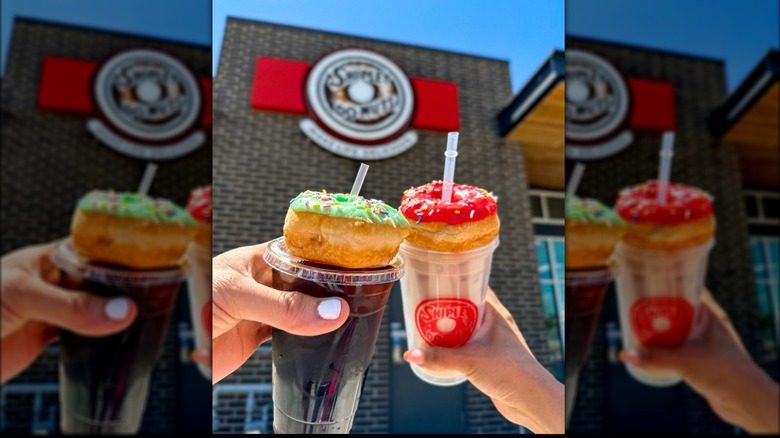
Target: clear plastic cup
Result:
[[443, 296], [658, 295], [104, 381], [585, 290], [317, 380], [199, 289]]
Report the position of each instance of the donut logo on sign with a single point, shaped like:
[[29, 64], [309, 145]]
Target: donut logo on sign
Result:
[[149, 102], [661, 322], [446, 322], [597, 107], [361, 103]]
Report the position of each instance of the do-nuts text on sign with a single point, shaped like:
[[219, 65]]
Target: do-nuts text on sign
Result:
[[360, 104]]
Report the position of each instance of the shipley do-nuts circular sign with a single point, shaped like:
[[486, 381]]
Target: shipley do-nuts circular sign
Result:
[[597, 107], [363, 102], [151, 100]]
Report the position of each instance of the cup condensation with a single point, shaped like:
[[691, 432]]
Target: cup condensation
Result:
[[104, 381], [658, 297], [317, 380], [443, 297], [199, 289], [585, 290]]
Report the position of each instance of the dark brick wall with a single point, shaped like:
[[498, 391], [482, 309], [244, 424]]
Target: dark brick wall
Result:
[[262, 160], [230, 409], [49, 160], [701, 160]]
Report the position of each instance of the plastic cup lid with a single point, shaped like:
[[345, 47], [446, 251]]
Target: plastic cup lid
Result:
[[425, 253], [581, 277], [279, 258], [66, 258], [638, 252]]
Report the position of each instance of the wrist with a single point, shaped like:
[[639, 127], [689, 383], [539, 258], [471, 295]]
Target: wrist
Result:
[[760, 404], [541, 407], [549, 412], [745, 396]]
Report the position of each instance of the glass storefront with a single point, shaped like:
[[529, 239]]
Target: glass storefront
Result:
[[765, 270], [549, 220], [763, 217]]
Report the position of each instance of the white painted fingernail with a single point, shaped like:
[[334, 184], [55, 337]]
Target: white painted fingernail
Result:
[[329, 309], [117, 308]]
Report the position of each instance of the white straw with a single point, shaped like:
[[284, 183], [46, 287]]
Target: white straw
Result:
[[146, 180], [361, 176], [451, 155], [574, 179], [665, 165]]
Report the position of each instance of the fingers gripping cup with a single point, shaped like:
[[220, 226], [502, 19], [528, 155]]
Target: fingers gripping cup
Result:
[[317, 380], [104, 381], [662, 262]]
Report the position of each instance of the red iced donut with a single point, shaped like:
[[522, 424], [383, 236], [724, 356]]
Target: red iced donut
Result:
[[469, 204], [469, 220], [685, 220], [637, 204]]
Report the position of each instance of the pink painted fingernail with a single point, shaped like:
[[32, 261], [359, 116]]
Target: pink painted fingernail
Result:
[[201, 355], [414, 356], [630, 356]]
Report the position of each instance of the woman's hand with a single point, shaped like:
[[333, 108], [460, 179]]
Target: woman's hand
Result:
[[499, 363], [716, 365], [33, 308], [246, 307]]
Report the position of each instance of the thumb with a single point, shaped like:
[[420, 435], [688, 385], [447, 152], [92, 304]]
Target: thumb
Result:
[[77, 311], [441, 359], [657, 359], [293, 312]]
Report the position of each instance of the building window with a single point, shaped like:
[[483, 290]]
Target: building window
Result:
[[547, 206], [550, 252], [29, 408], [762, 207], [763, 220], [548, 217], [765, 270]]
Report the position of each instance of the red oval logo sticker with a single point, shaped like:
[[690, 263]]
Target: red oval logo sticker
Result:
[[446, 322], [662, 321]]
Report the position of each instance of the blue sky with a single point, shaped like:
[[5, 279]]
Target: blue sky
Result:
[[524, 32], [182, 20], [740, 32], [521, 31]]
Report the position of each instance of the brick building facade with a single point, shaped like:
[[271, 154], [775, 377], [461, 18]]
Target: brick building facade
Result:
[[262, 160], [610, 401], [49, 160]]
